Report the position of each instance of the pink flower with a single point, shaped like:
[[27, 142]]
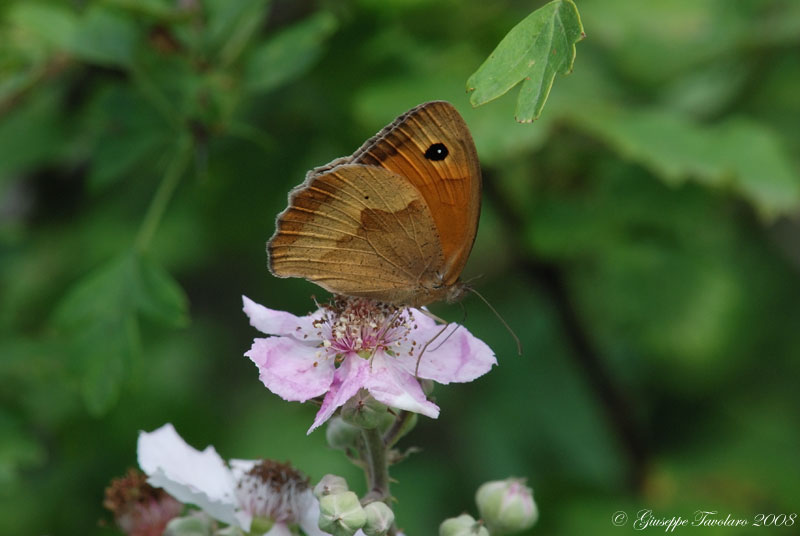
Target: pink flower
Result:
[[359, 343]]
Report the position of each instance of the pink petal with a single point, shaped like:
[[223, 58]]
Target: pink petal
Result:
[[349, 378], [291, 369], [274, 322], [390, 384], [455, 356]]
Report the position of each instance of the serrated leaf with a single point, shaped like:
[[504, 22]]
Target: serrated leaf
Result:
[[105, 350], [533, 52], [105, 292], [737, 154], [159, 297], [98, 318], [290, 53]]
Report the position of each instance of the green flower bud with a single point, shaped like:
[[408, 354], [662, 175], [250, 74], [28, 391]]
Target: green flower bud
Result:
[[340, 514], [463, 525], [379, 518], [329, 485], [341, 435], [507, 506], [363, 411], [191, 525]]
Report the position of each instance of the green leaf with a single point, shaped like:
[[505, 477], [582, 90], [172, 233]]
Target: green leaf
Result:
[[99, 318], [105, 351], [159, 297], [106, 37], [290, 53], [130, 136], [31, 135], [737, 154], [18, 450], [231, 23], [533, 52], [54, 24]]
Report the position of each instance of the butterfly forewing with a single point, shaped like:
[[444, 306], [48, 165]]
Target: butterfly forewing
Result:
[[431, 146], [357, 230]]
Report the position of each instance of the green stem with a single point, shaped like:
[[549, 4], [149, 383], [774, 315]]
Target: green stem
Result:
[[377, 465], [163, 194], [377, 468], [397, 429]]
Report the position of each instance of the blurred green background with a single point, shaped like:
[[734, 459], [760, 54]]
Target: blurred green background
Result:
[[642, 238]]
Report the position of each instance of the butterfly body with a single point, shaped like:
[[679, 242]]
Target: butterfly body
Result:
[[395, 221]]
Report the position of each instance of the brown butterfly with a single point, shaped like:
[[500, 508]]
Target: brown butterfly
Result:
[[395, 221]]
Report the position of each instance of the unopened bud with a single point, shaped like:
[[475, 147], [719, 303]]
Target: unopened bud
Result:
[[364, 411], [329, 485], [379, 518], [507, 506], [463, 525], [340, 514], [341, 435]]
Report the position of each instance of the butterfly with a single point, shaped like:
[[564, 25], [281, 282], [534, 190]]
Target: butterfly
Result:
[[395, 221]]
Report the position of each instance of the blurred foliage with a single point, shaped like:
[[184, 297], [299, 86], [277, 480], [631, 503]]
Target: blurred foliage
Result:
[[646, 224]]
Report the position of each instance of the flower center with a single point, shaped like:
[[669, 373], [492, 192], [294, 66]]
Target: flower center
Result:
[[362, 326], [272, 490]]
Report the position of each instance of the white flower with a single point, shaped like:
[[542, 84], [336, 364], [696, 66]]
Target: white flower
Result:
[[232, 494]]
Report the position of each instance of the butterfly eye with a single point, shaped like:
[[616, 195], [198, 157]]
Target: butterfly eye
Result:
[[437, 151]]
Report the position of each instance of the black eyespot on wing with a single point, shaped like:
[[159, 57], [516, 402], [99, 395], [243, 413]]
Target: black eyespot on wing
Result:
[[437, 151]]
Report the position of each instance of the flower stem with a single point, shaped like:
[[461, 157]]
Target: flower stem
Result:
[[397, 428], [377, 465], [377, 468]]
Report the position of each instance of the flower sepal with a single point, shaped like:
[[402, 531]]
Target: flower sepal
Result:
[[363, 411], [330, 484], [261, 525], [195, 524], [340, 434]]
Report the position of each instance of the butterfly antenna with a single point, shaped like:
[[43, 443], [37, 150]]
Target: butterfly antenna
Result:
[[489, 305], [446, 338], [422, 351]]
